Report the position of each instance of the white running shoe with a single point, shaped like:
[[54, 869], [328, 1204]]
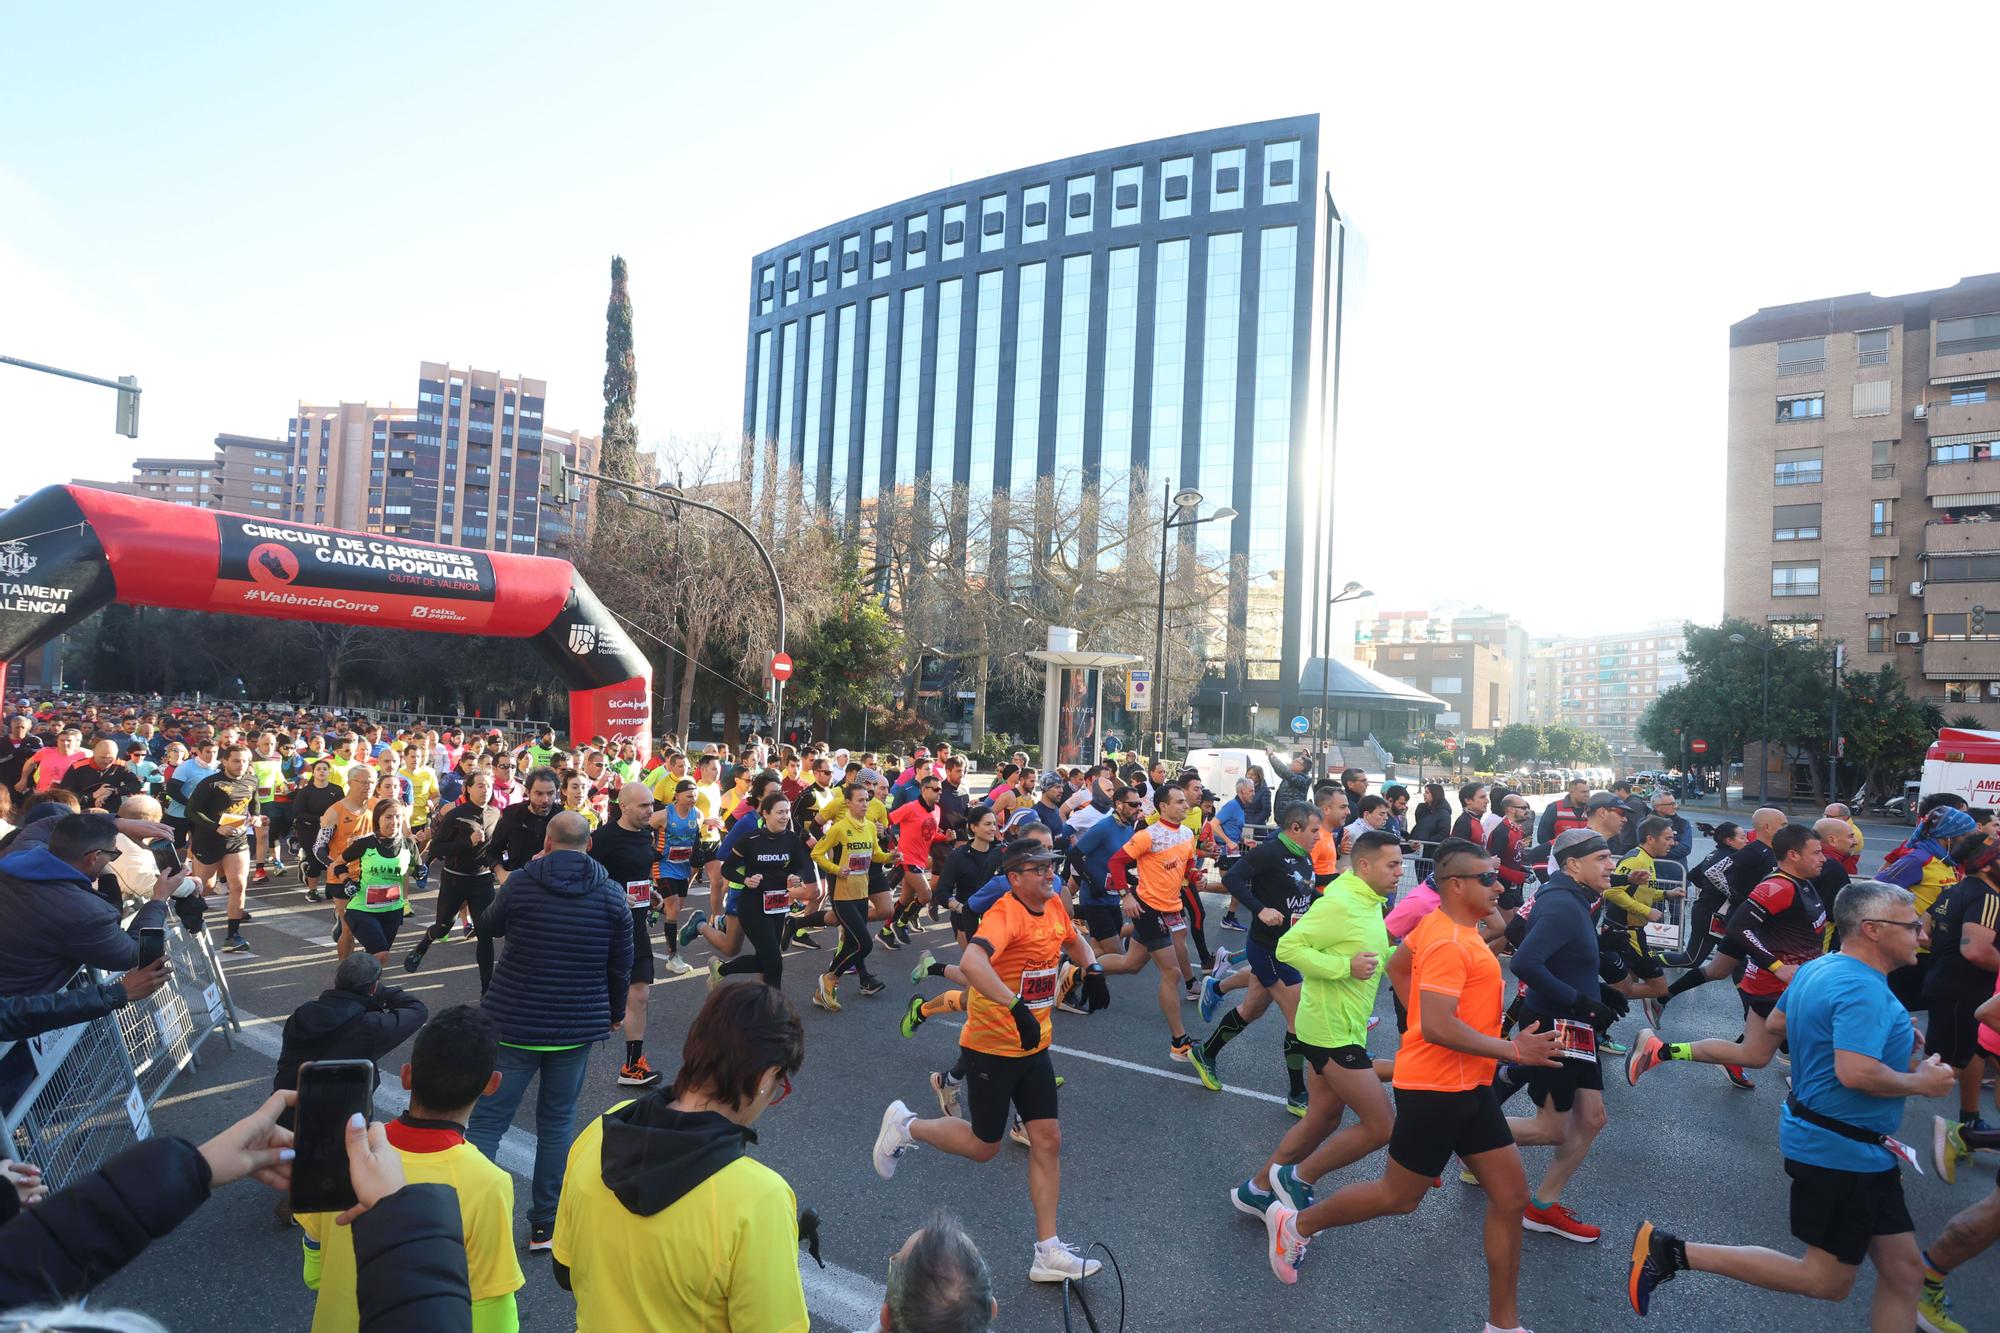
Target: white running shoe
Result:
[[1018, 1132], [1286, 1248], [677, 965], [894, 1138], [1056, 1261]]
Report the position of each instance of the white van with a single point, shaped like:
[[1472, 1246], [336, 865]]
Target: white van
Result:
[[1221, 769], [1966, 764]]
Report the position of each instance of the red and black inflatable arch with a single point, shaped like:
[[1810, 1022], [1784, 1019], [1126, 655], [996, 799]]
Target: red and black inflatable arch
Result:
[[68, 551]]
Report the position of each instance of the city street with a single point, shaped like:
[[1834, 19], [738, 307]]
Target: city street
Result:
[[1148, 1159]]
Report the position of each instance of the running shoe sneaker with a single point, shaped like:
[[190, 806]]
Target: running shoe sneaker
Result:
[[1219, 966], [893, 1139], [1373, 1021], [1466, 1177], [946, 1088], [1203, 1069], [1056, 1261], [1934, 1310], [1251, 1201], [902, 929], [422, 877], [1211, 998], [888, 938], [260, 876], [1179, 1047], [313, 895], [1947, 1148], [541, 1237], [1229, 921], [1066, 978], [1017, 1131], [677, 965], [804, 939], [247, 916], [414, 959], [873, 986], [1297, 1106], [1556, 1220], [1646, 1054], [1610, 1047], [913, 1017], [826, 994], [714, 973], [1294, 1193], [236, 944], [465, 932], [925, 962], [638, 1074], [1191, 987], [1656, 1257], [692, 926], [1738, 1079], [1654, 1009], [1285, 1247]]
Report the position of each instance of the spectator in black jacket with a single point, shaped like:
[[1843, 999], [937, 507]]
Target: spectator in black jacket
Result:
[[359, 1019], [523, 826], [1295, 785], [23, 1016], [1258, 811]]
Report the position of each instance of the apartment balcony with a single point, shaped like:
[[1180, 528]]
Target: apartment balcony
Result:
[[1962, 659], [1942, 418], [1981, 360], [1974, 482], [1974, 538], [1986, 712]]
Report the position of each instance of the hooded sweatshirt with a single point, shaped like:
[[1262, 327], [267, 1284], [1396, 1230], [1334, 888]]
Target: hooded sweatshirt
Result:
[[1557, 959], [341, 1025]]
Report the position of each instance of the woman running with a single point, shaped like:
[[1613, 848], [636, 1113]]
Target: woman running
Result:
[[378, 866], [849, 852], [765, 868]]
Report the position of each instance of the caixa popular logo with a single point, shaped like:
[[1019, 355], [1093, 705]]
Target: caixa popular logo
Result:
[[15, 559], [583, 638]]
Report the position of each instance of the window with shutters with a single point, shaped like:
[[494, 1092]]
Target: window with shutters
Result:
[[1964, 395], [1884, 464], [1975, 333], [1795, 579], [1802, 356], [1795, 523], [1871, 347], [1797, 467], [1871, 399], [1802, 407]]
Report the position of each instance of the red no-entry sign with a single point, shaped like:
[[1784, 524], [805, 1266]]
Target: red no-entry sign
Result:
[[781, 666], [1698, 745]]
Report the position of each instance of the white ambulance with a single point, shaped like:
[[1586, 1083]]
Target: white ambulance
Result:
[[1966, 764]]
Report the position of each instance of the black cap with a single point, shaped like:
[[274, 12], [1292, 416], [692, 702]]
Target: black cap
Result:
[[1603, 800], [1028, 855]]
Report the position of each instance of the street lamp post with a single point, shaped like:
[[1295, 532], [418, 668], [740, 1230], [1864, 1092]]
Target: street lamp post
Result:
[[1222, 718], [1178, 512], [1353, 592], [1764, 774]]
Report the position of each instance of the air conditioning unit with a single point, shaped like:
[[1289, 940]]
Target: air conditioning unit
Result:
[[1917, 588], [1920, 411], [1993, 689], [1909, 636]]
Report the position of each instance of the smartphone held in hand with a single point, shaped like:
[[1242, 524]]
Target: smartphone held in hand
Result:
[[330, 1093], [152, 944]]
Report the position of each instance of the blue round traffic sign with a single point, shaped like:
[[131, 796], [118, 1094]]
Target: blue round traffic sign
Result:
[[1300, 726]]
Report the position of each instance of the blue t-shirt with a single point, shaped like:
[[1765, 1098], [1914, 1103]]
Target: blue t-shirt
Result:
[[682, 831], [1093, 850], [1839, 1003], [992, 890], [1230, 819]]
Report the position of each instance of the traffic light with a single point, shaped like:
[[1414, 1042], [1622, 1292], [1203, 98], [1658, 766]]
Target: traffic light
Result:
[[557, 484], [128, 407]]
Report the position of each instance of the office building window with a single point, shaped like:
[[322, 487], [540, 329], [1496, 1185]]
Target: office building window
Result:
[[788, 360], [1034, 214], [1975, 333], [992, 223], [1802, 356], [1176, 186], [1797, 467], [1878, 575], [792, 280], [1964, 395], [1795, 579], [850, 261], [1975, 449], [1961, 625], [1804, 407], [1225, 179], [767, 293], [916, 240], [1220, 320], [1077, 214], [1281, 173], [1125, 183], [1170, 318], [1871, 347], [944, 405], [954, 232], [760, 422], [1033, 305], [1882, 460], [1271, 438], [843, 399], [908, 385], [1882, 519], [882, 251], [1795, 523], [1121, 347], [814, 371], [985, 386], [819, 270], [1878, 636], [872, 404], [1072, 353], [1441, 685]]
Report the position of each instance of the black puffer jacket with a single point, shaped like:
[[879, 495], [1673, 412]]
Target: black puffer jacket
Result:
[[341, 1025], [565, 952]]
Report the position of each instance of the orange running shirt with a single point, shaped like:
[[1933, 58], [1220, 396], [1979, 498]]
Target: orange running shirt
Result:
[[1026, 949], [1449, 959], [1161, 856], [1326, 852], [349, 824]]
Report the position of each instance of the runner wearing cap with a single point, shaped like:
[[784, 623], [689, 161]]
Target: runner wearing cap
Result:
[[1011, 970]]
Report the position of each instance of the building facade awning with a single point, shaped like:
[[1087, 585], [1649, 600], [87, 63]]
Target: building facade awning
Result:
[[1351, 685]]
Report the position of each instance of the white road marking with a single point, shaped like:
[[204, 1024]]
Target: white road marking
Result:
[[1155, 1071]]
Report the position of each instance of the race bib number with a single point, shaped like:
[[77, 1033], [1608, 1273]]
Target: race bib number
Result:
[[1038, 987], [1579, 1040], [1904, 1151], [677, 856], [1173, 921], [381, 895], [776, 901], [858, 862], [638, 893]]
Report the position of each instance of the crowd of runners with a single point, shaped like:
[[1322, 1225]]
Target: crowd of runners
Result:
[[1515, 948]]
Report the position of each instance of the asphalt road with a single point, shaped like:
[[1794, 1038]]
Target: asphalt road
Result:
[[1148, 1159]]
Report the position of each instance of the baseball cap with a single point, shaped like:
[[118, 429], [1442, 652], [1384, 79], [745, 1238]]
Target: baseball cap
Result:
[[1027, 856], [1603, 800], [1051, 780], [1578, 842]]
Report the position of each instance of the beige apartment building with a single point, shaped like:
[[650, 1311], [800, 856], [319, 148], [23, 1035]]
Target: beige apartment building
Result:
[[244, 475], [1864, 483], [1474, 680], [1604, 683]]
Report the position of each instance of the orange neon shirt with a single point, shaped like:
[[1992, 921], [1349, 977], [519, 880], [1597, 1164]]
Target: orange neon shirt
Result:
[[1449, 959], [1026, 949]]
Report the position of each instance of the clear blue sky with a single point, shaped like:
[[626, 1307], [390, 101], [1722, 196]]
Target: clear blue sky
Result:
[[1564, 209]]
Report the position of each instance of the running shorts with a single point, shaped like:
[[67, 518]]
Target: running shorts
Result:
[[1104, 921], [672, 888], [1842, 1211], [1354, 1058], [1264, 965], [374, 932], [1953, 1033], [1641, 963], [1432, 1126], [1760, 1005], [642, 949], [993, 1083], [1579, 1070], [210, 848], [1156, 930]]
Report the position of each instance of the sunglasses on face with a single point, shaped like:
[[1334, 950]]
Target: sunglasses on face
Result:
[[1487, 877], [1915, 927]]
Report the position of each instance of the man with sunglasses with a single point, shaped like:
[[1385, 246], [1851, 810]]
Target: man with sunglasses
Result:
[[56, 920], [1853, 1064], [1098, 902], [1010, 972]]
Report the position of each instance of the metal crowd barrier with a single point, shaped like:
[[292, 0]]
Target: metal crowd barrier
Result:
[[1672, 933], [90, 1088]]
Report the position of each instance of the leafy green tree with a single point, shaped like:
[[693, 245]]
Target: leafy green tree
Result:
[[1478, 755], [1886, 730], [621, 381], [1564, 745], [1520, 741], [848, 660]]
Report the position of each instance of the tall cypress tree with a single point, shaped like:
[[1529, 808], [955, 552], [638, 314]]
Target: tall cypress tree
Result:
[[621, 381]]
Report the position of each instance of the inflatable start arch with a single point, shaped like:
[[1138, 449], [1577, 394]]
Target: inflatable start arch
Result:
[[68, 551]]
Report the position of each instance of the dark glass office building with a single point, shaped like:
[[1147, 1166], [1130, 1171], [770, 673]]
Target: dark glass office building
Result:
[[1165, 308]]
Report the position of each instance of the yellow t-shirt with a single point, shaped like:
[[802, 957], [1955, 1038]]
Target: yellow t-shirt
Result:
[[845, 851], [485, 1206], [708, 800], [1635, 901], [423, 794], [723, 1258]]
